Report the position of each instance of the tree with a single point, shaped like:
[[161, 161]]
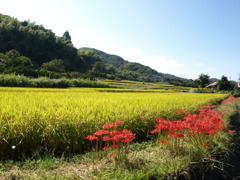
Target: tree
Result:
[[13, 62], [88, 58], [203, 80], [224, 84], [99, 67], [67, 36], [55, 65]]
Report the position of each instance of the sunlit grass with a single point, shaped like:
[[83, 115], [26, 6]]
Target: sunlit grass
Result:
[[37, 121]]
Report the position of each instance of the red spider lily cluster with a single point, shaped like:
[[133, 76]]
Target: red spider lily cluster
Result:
[[207, 122], [111, 137], [230, 100]]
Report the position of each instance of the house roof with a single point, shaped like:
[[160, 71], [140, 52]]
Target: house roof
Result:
[[212, 84]]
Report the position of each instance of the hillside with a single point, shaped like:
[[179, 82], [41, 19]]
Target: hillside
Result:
[[32, 50], [41, 45], [141, 70]]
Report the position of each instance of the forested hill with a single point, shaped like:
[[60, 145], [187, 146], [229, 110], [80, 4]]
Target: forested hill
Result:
[[41, 45], [32, 50], [119, 62], [141, 70]]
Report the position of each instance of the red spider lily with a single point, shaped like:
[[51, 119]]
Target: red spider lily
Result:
[[124, 136], [126, 131], [114, 132], [154, 131], [180, 111], [112, 125], [106, 138], [101, 132], [162, 124], [164, 142], [204, 144], [111, 155], [191, 133], [176, 126], [115, 146], [231, 132], [109, 126], [229, 100], [209, 106], [91, 138], [119, 122], [117, 137], [105, 148], [127, 140], [114, 138], [207, 122]]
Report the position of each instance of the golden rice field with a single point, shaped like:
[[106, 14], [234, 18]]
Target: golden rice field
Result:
[[144, 85], [57, 120]]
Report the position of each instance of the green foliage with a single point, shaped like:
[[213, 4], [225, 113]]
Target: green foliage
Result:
[[55, 65], [122, 69], [224, 84], [235, 93], [89, 58], [66, 36], [13, 62], [40, 45], [203, 80], [204, 90], [99, 67], [12, 80]]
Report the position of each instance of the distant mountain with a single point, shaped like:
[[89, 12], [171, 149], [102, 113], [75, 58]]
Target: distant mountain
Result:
[[142, 70], [213, 79]]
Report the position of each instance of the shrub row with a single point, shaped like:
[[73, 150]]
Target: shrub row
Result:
[[13, 80]]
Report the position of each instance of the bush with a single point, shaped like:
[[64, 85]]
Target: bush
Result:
[[12, 80], [235, 93], [204, 91]]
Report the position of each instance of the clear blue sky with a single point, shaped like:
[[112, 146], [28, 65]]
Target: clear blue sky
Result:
[[180, 37]]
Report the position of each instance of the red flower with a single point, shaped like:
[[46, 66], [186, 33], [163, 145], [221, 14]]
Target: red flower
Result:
[[180, 111], [111, 155], [119, 122], [127, 140], [204, 144], [117, 138], [106, 138], [114, 132], [191, 133], [154, 131], [108, 126], [105, 148], [164, 142], [231, 132], [100, 132], [91, 138], [115, 146]]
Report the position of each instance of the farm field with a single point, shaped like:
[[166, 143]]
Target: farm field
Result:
[[52, 122], [145, 85], [57, 120]]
